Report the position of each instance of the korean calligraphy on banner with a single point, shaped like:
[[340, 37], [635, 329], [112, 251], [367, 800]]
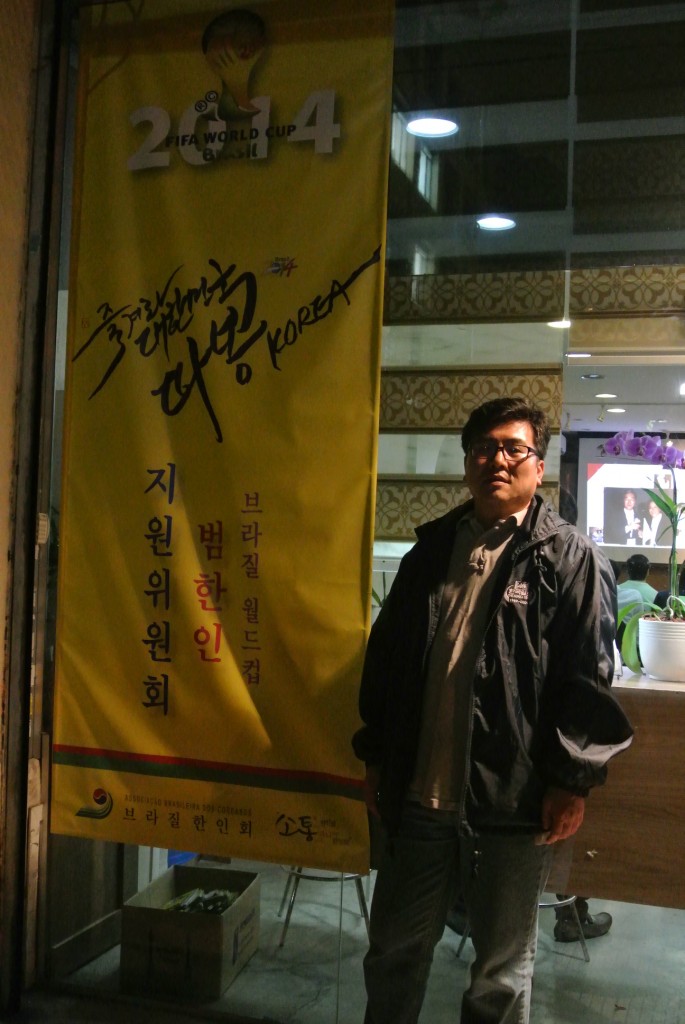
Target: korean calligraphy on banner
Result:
[[220, 426]]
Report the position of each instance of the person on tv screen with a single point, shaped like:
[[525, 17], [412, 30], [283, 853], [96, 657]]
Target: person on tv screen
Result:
[[655, 527], [625, 527]]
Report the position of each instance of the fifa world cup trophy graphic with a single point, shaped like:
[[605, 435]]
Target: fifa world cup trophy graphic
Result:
[[232, 44]]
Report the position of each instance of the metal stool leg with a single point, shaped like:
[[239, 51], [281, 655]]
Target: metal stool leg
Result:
[[286, 891], [570, 901], [295, 875], [464, 937], [581, 936], [362, 901]]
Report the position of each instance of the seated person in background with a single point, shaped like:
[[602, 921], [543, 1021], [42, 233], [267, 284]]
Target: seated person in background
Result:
[[638, 567], [626, 596], [593, 925], [662, 595]]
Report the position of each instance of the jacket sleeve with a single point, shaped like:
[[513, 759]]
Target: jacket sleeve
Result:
[[379, 673], [583, 723]]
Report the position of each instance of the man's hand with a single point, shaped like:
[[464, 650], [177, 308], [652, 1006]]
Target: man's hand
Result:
[[373, 775], [562, 814]]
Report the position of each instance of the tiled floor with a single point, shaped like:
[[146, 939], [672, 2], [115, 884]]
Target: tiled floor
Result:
[[636, 974]]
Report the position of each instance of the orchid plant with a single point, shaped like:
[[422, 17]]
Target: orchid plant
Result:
[[651, 448]]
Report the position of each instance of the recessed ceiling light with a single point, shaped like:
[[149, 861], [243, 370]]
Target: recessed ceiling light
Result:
[[559, 324], [432, 127], [682, 388], [592, 376], [496, 222], [579, 355], [616, 409], [605, 394]]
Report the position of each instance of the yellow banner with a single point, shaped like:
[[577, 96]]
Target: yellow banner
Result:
[[220, 427]]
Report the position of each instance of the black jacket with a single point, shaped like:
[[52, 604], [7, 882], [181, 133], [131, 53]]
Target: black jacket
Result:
[[542, 711]]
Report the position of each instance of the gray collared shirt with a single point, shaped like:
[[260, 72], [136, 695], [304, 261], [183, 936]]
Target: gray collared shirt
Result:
[[440, 766]]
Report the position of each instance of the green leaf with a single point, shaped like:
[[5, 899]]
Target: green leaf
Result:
[[666, 504], [629, 609], [629, 652], [636, 608]]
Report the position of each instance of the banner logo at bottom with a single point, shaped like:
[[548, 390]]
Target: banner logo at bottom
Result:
[[104, 802]]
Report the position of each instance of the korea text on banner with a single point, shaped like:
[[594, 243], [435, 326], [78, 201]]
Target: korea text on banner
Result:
[[220, 427]]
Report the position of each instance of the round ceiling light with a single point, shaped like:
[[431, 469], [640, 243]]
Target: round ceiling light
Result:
[[432, 127], [496, 222], [616, 408]]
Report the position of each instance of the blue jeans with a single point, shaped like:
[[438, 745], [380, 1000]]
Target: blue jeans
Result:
[[424, 868]]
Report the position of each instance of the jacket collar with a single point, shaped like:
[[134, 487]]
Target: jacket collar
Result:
[[540, 522]]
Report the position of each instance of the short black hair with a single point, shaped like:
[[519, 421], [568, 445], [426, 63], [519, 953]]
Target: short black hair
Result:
[[505, 410], [638, 566]]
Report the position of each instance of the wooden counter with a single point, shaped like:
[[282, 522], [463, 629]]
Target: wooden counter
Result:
[[631, 846]]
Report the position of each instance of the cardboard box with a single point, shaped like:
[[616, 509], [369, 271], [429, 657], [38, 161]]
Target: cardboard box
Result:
[[184, 954]]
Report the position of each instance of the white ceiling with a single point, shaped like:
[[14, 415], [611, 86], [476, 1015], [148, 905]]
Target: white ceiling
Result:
[[646, 385], [648, 391]]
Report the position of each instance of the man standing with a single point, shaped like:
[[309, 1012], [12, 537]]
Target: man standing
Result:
[[488, 716]]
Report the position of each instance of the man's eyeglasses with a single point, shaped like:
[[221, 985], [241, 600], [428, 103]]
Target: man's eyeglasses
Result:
[[513, 451]]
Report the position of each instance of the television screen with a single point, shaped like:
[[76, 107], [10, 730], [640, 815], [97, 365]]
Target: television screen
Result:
[[614, 508]]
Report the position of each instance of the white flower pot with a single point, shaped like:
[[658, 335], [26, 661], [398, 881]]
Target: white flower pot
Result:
[[662, 648]]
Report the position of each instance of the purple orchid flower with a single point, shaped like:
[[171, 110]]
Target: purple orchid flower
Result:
[[643, 447], [665, 455], [616, 445]]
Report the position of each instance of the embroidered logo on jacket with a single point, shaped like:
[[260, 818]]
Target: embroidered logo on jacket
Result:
[[517, 593]]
